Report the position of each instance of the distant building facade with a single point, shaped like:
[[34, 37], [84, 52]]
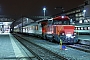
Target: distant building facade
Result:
[[80, 14]]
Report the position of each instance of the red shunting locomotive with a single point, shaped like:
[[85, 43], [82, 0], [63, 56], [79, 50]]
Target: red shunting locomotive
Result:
[[59, 28]]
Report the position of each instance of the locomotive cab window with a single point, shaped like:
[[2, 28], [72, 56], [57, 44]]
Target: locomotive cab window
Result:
[[66, 22], [50, 21], [56, 22], [60, 22]]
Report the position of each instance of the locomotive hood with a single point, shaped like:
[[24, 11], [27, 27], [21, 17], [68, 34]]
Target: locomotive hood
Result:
[[68, 29]]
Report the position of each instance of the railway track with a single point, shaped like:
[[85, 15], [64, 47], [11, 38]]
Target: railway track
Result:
[[82, 47], [39, 52]]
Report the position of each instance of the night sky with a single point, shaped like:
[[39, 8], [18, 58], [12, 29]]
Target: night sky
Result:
[[34, 7]]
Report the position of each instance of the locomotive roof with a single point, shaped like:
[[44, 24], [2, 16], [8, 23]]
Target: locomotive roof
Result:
[[61, 18], [56, 18]]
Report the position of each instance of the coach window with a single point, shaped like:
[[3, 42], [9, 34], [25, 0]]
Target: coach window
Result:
[[81, 28], [85, 28], [36, 27], [32, 27], [76, 28]]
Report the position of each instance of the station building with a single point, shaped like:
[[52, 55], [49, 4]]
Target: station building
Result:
[[80, 14]]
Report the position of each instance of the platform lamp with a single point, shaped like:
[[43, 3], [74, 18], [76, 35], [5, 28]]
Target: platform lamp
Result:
[[44, 9], [84, 11]]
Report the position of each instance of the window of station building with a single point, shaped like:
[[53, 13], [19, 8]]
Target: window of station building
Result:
[[80, 21], [73, 12], [77, 10], [76, 15], [80, 14], [81, 18], [88, 20], [85, 21], [83, 14], [68, 13], [77, 18]]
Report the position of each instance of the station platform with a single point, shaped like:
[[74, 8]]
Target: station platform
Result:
[[11, 49]]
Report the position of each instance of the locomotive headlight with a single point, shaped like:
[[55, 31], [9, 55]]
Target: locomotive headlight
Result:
[[75, 33], [62, 16], [63, 33], [72, 36], [69, 35]]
